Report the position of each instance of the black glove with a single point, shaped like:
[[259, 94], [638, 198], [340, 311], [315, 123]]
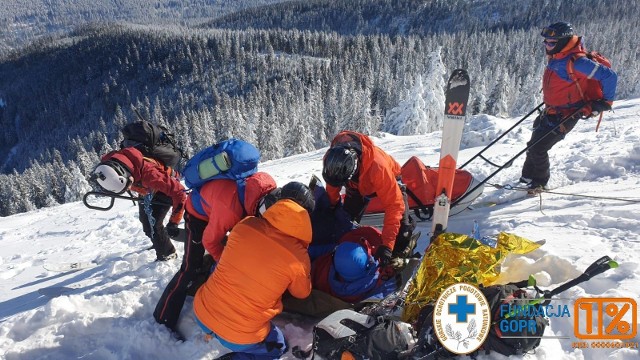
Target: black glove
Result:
[[173, 230], [598, 106], [383, 255]]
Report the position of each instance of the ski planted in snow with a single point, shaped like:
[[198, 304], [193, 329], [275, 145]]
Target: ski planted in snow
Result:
[[455, 111]]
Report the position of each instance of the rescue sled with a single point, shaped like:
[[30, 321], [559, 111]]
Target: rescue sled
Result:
[[421, 182]]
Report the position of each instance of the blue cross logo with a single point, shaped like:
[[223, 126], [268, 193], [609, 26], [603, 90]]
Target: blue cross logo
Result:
[[461, 308]]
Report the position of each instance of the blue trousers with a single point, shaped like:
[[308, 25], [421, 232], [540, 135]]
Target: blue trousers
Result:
[[272, 347]]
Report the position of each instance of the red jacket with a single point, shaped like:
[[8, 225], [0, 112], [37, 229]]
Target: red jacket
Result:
[[151, 177], [377, 175], [263, 258], [220, 202]]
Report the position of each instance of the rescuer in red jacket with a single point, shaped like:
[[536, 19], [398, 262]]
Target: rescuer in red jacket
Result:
[[128, 169]]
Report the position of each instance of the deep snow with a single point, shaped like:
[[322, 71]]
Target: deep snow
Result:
[[105, 312]]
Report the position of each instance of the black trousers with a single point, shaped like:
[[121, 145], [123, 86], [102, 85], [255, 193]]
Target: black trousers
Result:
[[172, 300], [160, 206], [536, 165]]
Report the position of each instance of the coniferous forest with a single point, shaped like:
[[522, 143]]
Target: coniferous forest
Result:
[[286, 77]]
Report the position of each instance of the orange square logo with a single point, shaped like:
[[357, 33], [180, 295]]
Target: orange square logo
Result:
[[605, 318]]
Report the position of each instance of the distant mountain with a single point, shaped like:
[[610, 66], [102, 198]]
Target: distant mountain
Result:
[[23, 21], [420, 17], [64, 98]]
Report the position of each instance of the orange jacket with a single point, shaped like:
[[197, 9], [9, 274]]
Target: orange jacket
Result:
[[223, 208], [263, 258], [377, 174], [150, 177]]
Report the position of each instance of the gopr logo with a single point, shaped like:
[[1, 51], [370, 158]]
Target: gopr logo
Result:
[[461, 318]]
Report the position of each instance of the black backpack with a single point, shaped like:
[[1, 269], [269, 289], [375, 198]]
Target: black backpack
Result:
[[362, 336], [519, 293], [505, 343], [154, 141], [520, 342]]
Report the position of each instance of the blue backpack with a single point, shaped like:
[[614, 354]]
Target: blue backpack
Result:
[[232, 159]]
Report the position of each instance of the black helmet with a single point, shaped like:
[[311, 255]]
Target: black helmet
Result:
[[339, 165], [266, 201], [559, 33], [300, 193], [558, 30]]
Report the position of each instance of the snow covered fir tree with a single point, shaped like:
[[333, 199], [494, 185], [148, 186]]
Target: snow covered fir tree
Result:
[[287, 83]]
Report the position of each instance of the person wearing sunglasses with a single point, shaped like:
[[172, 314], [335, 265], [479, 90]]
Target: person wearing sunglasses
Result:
[[574, 87], [209, 216], [365, 171]]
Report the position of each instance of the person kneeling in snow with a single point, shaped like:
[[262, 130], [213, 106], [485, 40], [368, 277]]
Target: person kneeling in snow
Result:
[[211, 212], [350, 273], [263, 258]]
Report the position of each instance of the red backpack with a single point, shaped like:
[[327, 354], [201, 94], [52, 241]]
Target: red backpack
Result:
[[593, 90]]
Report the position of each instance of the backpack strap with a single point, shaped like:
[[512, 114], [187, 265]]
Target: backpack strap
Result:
[[572, 74], [168, 169], [242, 184]]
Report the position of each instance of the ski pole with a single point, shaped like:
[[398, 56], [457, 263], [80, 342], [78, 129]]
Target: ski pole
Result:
[[598, 267], [510, 161], [500, 137]]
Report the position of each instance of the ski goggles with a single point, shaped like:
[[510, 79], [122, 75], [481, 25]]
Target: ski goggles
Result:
[[548, 32]]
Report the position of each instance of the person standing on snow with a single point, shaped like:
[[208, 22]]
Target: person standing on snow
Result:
[[128, 169], [564, 96], [211, 212], [264, 257], [365, 171]]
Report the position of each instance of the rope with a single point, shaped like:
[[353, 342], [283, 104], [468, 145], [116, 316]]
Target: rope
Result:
[[540, 191]]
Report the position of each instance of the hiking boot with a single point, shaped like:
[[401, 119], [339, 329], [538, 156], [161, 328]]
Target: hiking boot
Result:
[[167, 257], [535, 189]]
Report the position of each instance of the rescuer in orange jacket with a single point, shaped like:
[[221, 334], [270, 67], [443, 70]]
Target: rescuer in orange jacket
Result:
[[365, 170], [221, 210], [128, 169], [264, 257]]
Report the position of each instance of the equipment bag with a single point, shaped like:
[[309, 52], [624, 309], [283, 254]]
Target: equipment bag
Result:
[[154, 141], [232, 159], [347, 334], [527, 302]]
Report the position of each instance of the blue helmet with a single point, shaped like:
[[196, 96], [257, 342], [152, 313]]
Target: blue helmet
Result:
[[352, 261]]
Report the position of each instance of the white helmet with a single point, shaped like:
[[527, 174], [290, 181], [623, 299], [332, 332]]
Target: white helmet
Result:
[[112, 177]]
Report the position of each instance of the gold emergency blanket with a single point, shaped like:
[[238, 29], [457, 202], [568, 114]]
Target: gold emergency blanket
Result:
[[454, 258]]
